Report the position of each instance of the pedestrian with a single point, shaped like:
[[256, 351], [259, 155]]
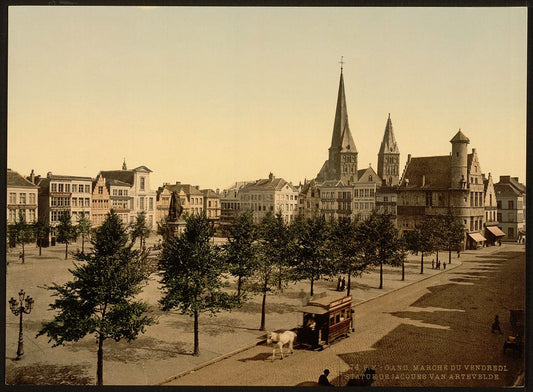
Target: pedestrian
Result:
[[458, 253], [444, 265], [433, 264], [343, 284], [323, 379], [438, 265], [496, 325], [339, 282]]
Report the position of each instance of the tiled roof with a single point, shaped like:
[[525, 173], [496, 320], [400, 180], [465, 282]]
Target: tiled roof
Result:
[[506, 190], [187, 188], [435, 169], [120, 175], [460, 138], [112, 182], [274, 183], [209, 193], [15, 179], [63, 177]]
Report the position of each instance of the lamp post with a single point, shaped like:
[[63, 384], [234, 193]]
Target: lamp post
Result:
[[23, 305]]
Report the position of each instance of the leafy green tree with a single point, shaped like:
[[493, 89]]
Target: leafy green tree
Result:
[[277, 240], [381, 243], [428, 240], [312, 248], [139, 229], [21, 233], [101, 299], [191, 270], [266, 262], [83, 228], [66, 232], [349, 255], [240, 249], [454, 233], [41, 231]]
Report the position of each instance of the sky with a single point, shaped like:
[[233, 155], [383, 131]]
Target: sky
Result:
[[213, 95]]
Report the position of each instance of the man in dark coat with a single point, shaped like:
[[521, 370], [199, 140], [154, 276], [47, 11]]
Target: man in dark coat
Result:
[[323, 379]]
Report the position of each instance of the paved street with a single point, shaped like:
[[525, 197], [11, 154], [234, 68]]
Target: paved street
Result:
[[165, 349], [443, 322]]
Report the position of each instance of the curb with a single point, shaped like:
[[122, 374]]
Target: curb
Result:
[[212, 361]]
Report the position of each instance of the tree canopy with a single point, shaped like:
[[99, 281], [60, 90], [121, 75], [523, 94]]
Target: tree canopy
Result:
[[100, 300]]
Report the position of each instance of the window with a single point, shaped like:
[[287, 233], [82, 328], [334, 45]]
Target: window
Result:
[[22, 198], [511, 204], [32, 198], [141, 203], [87, 202], [142, 184], [54, 187], [499, 204], [151, 201], [115, 192], [74, 202], [100, 190], [80, 188], [60, 187], [67, 187], [87, 189], [13, 198]]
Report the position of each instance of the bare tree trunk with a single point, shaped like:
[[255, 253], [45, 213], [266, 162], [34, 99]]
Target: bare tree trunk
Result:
[[23, 254], [66, 250], [263, 311], [380, 274], [100, 361], [239, 284], [82, 243], [312, 284], [422, 263], [349, 282], [196, 343], [403, 270]]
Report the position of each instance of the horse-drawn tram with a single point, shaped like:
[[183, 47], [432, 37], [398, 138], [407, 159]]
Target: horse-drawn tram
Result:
[[326, 317]]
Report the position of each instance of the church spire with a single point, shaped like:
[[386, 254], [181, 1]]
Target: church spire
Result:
[[341, 129], [388, 144], [124, 167], [389, 157]]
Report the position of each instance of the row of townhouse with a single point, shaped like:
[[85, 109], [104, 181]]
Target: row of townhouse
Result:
[[125, 191], [191, 200]]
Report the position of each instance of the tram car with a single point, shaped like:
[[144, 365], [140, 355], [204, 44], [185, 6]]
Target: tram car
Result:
[[326, 317]]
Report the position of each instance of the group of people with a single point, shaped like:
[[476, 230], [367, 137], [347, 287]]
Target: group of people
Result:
[[341, 284], [433, 265]]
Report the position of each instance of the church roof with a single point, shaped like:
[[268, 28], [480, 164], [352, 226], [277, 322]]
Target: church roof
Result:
[[267, 184], [388, 144], [436, 170], [460, 138], [342, 137]]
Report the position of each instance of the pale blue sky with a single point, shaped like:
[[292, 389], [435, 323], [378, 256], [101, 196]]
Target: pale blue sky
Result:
[[209, 96]]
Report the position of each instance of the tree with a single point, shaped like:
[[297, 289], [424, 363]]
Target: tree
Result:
[[380, 242], [66, 232], [191, 270], [21, 233], [349, 255], [100, 300], [139, 229], [267, 257], [277, 239], [312, 248], [454, 233], [83, 229], [41, 231], [240, 249], [427, 237]]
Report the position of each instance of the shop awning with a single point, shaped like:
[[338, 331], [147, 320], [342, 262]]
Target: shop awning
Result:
[[477, 237], [495, 231], [313, 309]]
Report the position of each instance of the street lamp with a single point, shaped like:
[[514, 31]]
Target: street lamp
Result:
[[23, 305]]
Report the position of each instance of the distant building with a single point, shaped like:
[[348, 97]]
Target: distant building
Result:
[[309, 199], [389, 157], [438, 184], [100, 202], [190, 199], [142, 196], [511, 197], [492, 232], [269, 195], [230, 205], [120, 199], [211, 205], [60, 193], [21, 198]]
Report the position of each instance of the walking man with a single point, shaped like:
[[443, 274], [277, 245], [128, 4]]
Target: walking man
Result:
[[323, 379]]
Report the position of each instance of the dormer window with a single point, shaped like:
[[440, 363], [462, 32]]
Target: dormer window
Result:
[[142, 184]]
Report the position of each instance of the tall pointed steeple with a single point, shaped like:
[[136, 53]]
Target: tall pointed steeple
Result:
[[389, 157], [342, 162]]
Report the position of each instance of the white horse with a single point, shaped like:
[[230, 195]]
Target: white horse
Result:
[[280, 340]]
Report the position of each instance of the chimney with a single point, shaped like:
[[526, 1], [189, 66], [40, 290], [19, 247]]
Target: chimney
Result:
[[197, 187], [271, 176], [49, 174], [218, 191]]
